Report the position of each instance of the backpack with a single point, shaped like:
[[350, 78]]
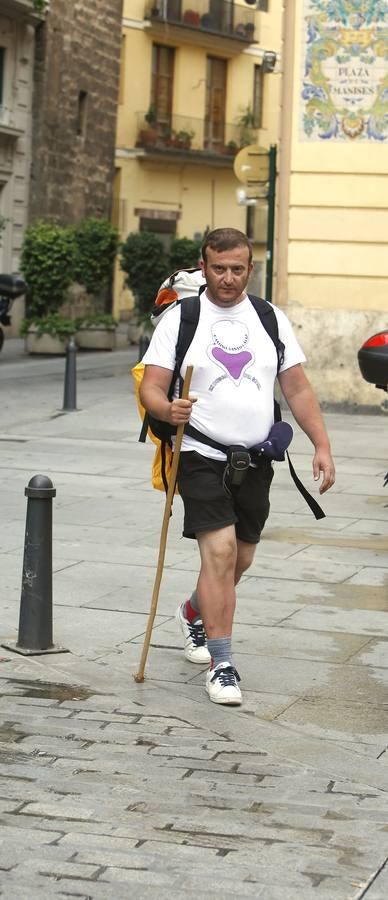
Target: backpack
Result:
[[162, 432]]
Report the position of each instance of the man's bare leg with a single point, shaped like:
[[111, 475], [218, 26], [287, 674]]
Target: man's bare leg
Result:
[[245, 555], [215, 588]]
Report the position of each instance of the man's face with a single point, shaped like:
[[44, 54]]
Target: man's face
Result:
[[227, 274]]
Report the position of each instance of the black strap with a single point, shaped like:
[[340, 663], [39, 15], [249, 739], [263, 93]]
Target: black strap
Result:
[[144, 429], [311, 502], [316, 509], [163, 465], [268, 319], [190, 310], [204, 439]]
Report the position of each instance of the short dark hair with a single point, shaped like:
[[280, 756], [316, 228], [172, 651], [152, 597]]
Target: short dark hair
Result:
[[221, 239]]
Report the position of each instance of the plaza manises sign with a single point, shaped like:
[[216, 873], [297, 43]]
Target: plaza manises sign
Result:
[[344, 91]]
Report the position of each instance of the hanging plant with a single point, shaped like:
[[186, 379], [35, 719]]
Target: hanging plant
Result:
[[40, 6]]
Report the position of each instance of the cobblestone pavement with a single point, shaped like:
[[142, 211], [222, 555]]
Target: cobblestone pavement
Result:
[[109, 788]]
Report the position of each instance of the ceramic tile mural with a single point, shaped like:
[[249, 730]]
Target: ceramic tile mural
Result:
[[344, 94]]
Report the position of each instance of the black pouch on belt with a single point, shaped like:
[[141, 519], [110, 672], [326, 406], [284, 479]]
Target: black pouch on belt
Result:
[[237, 464]]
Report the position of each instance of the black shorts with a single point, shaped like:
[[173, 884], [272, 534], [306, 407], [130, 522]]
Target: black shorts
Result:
[[207, 504]]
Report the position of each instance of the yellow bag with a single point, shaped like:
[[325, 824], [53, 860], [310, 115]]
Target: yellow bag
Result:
[[162, 461]]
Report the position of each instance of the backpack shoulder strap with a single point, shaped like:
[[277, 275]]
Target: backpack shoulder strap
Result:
[[268, 319], [267, 316], [190, 310]]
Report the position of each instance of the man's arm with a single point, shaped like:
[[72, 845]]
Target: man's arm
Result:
[[304, 406], [154, 397]]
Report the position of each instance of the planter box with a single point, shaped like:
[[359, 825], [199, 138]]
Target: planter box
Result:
[[45, 344], [96, 337]]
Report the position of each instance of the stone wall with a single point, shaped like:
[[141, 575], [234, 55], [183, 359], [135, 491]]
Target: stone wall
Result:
[[331, 340], [17, 39], [74, 110]]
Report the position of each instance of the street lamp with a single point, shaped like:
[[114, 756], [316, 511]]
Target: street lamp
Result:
[[269, 60]]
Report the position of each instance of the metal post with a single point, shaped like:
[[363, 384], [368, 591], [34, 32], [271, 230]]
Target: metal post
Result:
[[271, 222], [35, 635], [70, 388]]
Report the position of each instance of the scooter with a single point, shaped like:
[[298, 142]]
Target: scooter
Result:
[[373, 363], [11, 287]]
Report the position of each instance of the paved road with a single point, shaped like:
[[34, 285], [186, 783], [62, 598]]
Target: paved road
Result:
[[111, 788]]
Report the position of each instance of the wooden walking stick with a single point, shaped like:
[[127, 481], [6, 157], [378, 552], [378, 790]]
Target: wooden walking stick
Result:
[[163, 535]]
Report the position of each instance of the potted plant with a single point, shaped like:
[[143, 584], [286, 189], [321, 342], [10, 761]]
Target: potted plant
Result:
[[47, 265], [246, 123], [149, 133], [96, 331], [144, 262], [231, 148], [47, 335], [182, 139]]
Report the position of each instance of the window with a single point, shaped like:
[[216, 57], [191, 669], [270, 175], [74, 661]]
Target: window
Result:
[[263, 5], [162, 84], [221, 16], [165, 230], [81, 114], [257, 96], [215, 102]]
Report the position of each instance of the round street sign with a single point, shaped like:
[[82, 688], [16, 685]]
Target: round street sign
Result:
[[251, 165]]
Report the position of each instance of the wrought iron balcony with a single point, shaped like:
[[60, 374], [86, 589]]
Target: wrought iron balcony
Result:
[[218, 17], [195, 137]]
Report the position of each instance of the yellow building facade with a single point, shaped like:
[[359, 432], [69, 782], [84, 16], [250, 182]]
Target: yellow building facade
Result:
[[332, 222], [193, 91], [195, 70]]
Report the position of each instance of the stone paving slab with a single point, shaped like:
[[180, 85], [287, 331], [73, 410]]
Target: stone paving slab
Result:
[[329, 618]]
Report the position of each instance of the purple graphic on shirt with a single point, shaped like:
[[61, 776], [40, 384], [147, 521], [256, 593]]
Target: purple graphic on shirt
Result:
[[234, 363], [229, 348]]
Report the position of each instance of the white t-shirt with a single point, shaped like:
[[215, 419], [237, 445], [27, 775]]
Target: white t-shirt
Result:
[[235, 366]]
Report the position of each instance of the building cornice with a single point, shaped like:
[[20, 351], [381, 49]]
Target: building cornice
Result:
[[140, 24], [22, 10]]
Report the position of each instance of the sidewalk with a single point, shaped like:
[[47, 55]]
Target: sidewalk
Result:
[[112, 789]]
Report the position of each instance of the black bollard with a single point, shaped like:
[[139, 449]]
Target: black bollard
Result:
[[35, 635], [143, 345], [70, 388]]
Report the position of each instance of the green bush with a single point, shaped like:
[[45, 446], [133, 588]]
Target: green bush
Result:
[[96, 242], [47, 263], [90, 320], [184, 254], [53, 324], [144, 261]]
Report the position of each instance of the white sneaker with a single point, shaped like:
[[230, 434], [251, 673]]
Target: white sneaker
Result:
[[221, 684], [195, 638]]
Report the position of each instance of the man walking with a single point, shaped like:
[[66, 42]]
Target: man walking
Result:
[[235, 366]]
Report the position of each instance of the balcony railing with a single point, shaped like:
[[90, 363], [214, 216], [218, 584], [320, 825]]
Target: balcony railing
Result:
[[220, 17], [194, 136]]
